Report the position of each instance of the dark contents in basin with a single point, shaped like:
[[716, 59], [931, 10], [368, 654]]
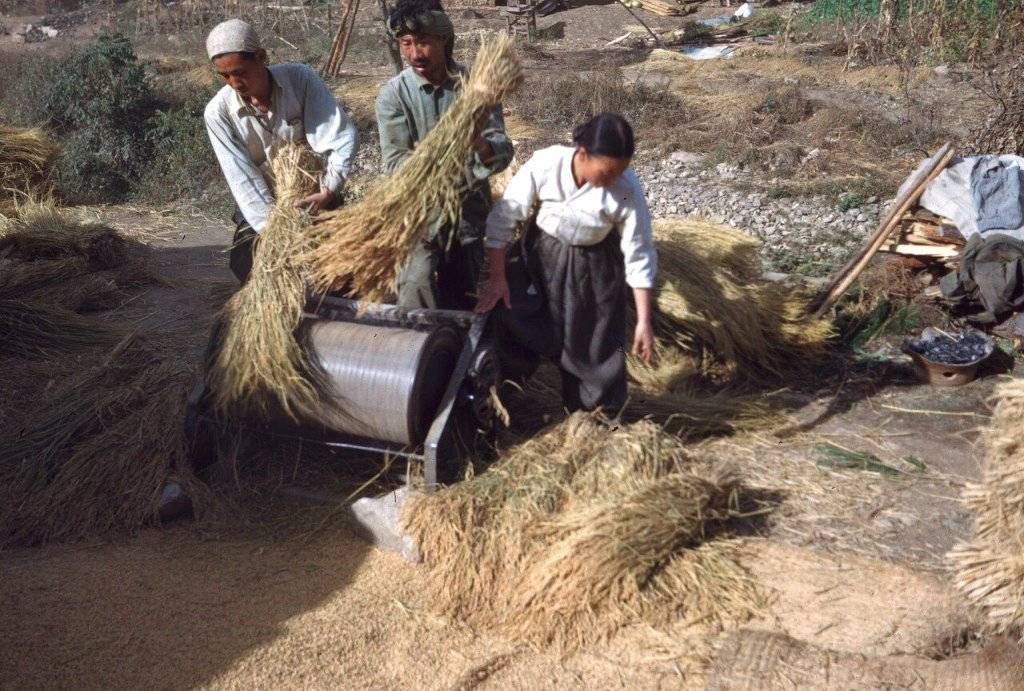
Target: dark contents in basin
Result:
[[963, 349]]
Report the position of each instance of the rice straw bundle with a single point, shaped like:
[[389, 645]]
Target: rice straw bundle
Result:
[[42, 231], [26, 156], [34, 330], [711, 304], [990, 568], [97, 450], [600, 558], [363, 246], [579, 532], [259, 362]]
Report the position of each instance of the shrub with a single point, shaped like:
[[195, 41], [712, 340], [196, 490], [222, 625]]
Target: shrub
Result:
[[183, 163], [99, 101]]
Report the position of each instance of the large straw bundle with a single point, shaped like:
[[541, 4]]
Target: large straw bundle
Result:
[[580, 531], [259, 363], [990, 568], [97, 449], [42, 231], [26, 156], [711, 303], [363, 246]]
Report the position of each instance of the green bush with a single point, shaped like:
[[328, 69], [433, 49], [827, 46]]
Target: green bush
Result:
[[100, 100], [183, 162], [118, 138]]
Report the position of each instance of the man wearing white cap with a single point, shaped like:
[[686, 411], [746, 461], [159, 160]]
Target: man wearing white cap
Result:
[[259, 109]]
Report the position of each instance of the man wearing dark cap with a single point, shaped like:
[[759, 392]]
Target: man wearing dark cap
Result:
[[442, 271]]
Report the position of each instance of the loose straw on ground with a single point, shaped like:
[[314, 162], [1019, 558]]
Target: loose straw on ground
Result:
[[97, 449], [363, 246], [259, 364], [990, 567]]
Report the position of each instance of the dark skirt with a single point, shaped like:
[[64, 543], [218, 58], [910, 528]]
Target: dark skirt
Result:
[[585, 293]]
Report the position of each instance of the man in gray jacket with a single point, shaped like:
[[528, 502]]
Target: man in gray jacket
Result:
[[443, 271], [258, 110]]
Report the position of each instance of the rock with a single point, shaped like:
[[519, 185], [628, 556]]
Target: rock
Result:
[[686, 157], [941, 70], [378, 519]]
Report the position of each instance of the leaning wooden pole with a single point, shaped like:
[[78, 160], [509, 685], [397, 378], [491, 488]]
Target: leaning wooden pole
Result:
[[339, 47], [845, 277]]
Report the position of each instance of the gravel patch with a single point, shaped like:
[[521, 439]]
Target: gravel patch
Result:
[[808, 235]]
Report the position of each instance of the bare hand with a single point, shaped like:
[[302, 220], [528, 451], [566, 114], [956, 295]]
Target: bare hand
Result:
[[643, 341], [315, 202], [495, 290]]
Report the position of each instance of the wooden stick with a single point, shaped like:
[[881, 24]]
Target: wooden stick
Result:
[[629, 9], [339, 47], [845, 277]]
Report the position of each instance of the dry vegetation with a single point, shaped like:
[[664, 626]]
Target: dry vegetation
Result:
[[581, 531]]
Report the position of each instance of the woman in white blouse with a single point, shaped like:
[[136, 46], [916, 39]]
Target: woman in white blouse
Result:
[[589, 239]]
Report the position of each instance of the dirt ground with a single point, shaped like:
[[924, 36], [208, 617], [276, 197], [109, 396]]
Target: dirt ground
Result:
[[285, 595]]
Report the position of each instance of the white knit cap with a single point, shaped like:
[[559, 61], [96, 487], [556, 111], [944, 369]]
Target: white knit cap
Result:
[[232, 36]]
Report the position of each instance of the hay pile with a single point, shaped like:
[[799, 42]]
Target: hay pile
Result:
[[581, 531], [260, 363], [711, 304], [92, 428], [26, 157], [53, 271], [97, 449], [990, 568], [362, 247]]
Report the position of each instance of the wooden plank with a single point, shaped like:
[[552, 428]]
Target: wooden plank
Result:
[[845, 277], [937, 251]]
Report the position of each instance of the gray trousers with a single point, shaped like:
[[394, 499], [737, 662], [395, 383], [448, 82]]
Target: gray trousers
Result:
[[440, 277], [585, 294]]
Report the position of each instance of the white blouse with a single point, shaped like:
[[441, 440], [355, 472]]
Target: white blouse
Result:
[[577, 215]]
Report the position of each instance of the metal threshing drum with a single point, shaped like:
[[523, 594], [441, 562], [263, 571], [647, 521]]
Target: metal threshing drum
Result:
[[387, 382]]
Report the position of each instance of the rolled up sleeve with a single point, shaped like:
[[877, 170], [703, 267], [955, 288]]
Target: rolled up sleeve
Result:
[[329, 131], [513, 208], [250, 190], [638, 248]]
